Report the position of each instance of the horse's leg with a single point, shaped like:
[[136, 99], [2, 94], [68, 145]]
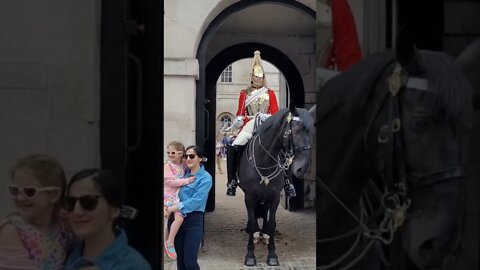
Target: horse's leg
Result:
[[250, 257], [265, 235], [272, 258], [256, 234]]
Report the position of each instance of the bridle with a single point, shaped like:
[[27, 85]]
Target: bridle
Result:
[[285, 156], [392, 172]]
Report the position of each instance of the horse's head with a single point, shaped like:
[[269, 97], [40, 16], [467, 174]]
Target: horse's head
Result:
[[301, 126], [420, 127]]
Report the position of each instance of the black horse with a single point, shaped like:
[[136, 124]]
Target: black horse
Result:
[[389, 164], [280, 144]]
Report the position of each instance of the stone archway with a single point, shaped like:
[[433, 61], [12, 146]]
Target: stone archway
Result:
[[213, 61]]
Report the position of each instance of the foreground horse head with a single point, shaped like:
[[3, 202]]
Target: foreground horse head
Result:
[[301, 130], [280, 144], [434, 119], [392, 123]]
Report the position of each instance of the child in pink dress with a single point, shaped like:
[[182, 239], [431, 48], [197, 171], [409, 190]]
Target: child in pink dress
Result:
[[36, 235], [173, 172]]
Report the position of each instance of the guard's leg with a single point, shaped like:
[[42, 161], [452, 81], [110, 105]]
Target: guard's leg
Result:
[[289, 188], [231, 170]]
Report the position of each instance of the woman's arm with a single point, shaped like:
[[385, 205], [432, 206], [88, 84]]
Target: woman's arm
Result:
[[199, 196]]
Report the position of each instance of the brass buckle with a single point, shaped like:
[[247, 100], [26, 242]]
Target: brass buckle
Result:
[[396, 125], [383, 134]]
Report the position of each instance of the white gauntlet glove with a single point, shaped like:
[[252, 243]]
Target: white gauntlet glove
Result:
[[238, 122]]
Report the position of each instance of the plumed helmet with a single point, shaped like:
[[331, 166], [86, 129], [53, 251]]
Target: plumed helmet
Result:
[[257, 68]]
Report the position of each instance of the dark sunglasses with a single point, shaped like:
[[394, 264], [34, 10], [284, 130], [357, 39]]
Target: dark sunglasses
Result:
[[190, 156], [28, 192], [87, 202], [173, 152]]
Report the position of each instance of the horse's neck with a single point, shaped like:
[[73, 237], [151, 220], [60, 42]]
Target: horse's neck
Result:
[[343, 166], [271, 141]]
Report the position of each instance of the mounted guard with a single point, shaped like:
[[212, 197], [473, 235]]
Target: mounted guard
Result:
[[259, 102]]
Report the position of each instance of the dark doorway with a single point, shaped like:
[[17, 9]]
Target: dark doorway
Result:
[[131, 113]]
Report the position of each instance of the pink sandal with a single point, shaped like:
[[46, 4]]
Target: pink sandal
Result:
[[170, 250]]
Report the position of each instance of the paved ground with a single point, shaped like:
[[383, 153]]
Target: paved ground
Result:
[[225, 243]]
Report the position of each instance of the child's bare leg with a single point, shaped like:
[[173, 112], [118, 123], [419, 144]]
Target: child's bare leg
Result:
[[165, 231], [175, 227]]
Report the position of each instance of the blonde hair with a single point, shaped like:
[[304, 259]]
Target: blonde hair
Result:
[[179, 146], [44, 168]]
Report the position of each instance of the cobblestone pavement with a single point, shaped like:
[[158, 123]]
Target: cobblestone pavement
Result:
[[225, 242]]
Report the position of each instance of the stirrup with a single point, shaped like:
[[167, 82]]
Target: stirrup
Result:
[[232, 188], [290, 191]]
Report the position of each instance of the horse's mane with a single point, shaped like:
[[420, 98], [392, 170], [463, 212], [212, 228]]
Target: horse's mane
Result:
[[454, 91], [352, 89], [355, 88], [273, 122], [277, 120], [469, 61]]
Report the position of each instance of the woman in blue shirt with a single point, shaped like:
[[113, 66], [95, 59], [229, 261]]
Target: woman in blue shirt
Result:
[[193, 199], [94, 203]]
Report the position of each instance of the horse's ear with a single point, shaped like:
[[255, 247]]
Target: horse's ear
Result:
[[469, 62], [469, 58], [313, 112], [407, 53], [324, 75], [292, 108]]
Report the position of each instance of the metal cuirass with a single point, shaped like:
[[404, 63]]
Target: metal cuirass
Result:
[[260, 104]]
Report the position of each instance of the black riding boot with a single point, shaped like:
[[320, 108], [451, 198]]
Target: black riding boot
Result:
[[231, 170], [289, 189]]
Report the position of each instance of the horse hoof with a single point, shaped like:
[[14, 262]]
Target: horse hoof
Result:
[[272, 262], [250, 262]]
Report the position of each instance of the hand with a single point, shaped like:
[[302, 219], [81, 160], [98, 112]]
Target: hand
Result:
[[173, 208], [166, 212], [191, 179]]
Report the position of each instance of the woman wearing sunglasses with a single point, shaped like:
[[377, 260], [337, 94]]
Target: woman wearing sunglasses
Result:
[[36, 235], [173, 172], [193, 199], [94, 204]]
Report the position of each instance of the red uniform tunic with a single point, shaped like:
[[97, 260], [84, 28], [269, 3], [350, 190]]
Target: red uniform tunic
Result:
[[345, 50], [242, 111]]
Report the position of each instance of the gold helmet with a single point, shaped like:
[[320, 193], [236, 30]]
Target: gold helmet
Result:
[[257, 68]]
